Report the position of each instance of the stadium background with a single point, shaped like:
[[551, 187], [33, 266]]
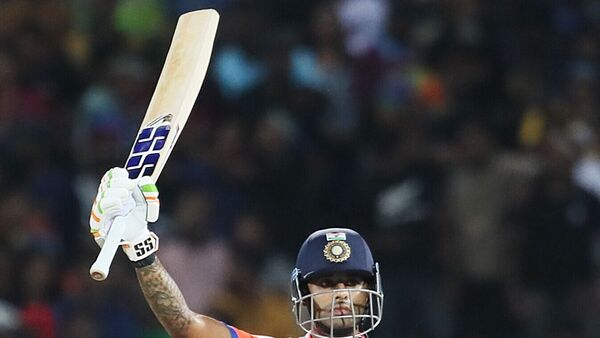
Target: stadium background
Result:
[[460, 137]]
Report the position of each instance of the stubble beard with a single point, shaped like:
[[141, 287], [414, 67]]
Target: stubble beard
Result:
[[342, 327]]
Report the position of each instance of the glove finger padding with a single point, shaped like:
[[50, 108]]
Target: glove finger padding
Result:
[[108, 204], [113, 199], [116, 177]]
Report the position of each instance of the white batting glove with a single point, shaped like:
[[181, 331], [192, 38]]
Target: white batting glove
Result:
[[136, 201]]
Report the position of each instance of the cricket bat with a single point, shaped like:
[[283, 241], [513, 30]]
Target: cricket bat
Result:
[[176, 91]]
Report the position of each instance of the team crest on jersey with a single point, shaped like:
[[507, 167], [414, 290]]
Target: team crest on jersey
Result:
[[337, 251], [146, 149]]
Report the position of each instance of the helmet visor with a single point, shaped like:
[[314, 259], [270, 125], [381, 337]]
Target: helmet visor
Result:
[[359, 313]]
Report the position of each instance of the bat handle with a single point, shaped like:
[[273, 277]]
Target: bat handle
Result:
[[100, 268]]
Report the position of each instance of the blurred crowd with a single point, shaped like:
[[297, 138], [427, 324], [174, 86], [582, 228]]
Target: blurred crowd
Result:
[[460, 137]]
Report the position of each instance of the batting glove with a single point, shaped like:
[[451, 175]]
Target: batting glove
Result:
[[136, 200]]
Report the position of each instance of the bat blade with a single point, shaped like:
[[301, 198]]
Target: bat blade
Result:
[[176, 91]]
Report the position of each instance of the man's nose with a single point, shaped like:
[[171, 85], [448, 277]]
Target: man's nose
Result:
[[341, 294]]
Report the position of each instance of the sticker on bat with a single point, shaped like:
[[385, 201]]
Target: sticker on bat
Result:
[[147, 147]]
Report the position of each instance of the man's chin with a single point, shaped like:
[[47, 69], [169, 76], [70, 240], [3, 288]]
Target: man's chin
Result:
[[341, 328]]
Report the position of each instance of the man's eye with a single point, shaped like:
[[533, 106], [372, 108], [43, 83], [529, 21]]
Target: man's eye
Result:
[[331, 283], [352, 282], [326, 283]]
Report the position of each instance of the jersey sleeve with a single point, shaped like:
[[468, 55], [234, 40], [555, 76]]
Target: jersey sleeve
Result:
[[237, 333]]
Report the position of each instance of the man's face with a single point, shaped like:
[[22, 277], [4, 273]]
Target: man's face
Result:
[[328, 303]]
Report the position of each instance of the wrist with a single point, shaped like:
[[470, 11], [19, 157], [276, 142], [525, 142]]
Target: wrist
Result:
[[144, 262]]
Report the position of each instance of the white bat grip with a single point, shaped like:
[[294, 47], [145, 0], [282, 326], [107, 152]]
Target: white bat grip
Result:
[[100, 268]]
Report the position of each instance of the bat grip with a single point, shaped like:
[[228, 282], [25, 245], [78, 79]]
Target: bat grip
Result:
[[100, 268]]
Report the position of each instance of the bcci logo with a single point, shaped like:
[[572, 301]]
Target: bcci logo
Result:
[[146, 149], [337, 251]]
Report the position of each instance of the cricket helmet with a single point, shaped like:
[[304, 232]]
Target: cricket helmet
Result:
[[333, 251]]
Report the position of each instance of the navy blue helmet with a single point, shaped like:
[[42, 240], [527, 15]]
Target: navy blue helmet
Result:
[[336, 251]]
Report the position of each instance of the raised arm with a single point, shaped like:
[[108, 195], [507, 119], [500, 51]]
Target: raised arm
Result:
[[137, 202], [170, 308]]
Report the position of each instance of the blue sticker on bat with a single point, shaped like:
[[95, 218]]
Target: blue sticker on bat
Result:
[[146, 149]]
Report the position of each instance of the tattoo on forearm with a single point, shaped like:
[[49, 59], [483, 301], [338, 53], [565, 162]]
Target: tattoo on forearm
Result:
[[165, 298]]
